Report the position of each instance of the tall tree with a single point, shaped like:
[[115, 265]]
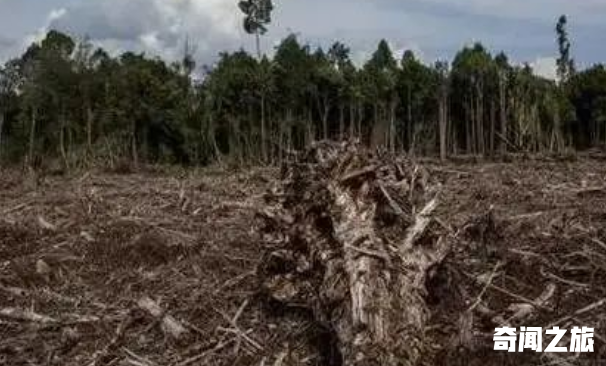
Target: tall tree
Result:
[[441, 72], [380, 77], [565, 62], [293, 71], [503, 72], [258, 16], [415, 85], [565, 70]]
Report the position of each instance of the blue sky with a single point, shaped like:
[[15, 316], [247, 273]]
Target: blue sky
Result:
[[432, 28]]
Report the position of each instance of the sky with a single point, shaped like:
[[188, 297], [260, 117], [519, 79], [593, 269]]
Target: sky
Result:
[[433, 29]]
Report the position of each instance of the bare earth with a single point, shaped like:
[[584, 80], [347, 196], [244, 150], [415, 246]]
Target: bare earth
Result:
[[160, 269]]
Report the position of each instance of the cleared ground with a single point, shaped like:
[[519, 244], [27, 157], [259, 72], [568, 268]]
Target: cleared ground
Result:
[[85, 260]]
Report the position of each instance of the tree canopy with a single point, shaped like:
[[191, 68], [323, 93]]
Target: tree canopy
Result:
[[66, 100]]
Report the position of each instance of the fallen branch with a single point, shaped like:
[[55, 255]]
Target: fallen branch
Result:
[[45, 224], [170, 325], [421, 222], [586, 309], [486, 286], [26, 315]]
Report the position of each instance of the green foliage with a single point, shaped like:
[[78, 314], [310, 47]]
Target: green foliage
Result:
[[258, 15], [64, 99]]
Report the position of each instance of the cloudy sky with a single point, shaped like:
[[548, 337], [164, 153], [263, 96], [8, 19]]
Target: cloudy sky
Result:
[[432, 28]]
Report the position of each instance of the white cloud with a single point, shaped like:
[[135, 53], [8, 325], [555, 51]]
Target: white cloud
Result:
[[56, 14], [545, 67], [158, 27], [523, 28], [38, 35]]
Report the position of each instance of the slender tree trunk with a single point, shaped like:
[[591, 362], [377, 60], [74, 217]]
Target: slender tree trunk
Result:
[[360, 119], [89, 128], [392, 124], [62, 149], [1, 129], [352, 120], [442, 127], [258, 44], [212, 138], [325, 114], [492, 127], [32, 135], [410, 122], [453, 133], [263, 133], [341, 122], [503, 115], [480, 121], [470, 127], [281, 141], [134, 152]]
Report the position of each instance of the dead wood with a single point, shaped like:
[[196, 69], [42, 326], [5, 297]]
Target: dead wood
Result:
[[522, 242], [26, 315], [356, 258], [170, 325]]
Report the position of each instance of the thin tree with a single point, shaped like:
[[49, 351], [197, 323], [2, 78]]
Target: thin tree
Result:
[[258, 16], [565, 61], [565, 70], [441, 69]]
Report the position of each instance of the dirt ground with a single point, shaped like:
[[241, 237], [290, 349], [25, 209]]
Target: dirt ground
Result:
[[159, 268]]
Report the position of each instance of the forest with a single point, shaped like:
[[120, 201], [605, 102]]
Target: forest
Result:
[[67, 101], [300, 207]]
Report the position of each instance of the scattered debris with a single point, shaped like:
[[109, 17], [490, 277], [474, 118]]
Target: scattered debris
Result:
[[170, 325], [460, 248]]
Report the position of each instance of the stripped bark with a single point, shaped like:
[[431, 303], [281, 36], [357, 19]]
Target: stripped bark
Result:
[[348, 254]]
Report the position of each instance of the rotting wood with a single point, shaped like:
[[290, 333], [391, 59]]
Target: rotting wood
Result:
[[371, 287]]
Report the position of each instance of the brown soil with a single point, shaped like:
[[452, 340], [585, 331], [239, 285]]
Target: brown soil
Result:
[[78, 255]]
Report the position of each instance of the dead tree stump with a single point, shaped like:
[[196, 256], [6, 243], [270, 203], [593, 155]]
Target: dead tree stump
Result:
[[352, 239]]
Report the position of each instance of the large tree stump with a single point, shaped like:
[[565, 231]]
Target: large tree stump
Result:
[[353, 239]]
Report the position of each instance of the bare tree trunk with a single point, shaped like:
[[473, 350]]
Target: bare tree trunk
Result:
[[360, 119], [341, 122], [62, 142], [480, 121], [311, 133], [442, 127], [32, 135], [492, 127], [452, 132], [89, 128], [1, 129], [211, 138], [263, 133], [281, 141], [470, 128], [325, 115], [352, 120], [410, 122], [258, 44], [503, 115], [135, 154], [392, 123]]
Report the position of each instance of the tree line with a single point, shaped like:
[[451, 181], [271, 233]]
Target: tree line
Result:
[[64, 99]]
